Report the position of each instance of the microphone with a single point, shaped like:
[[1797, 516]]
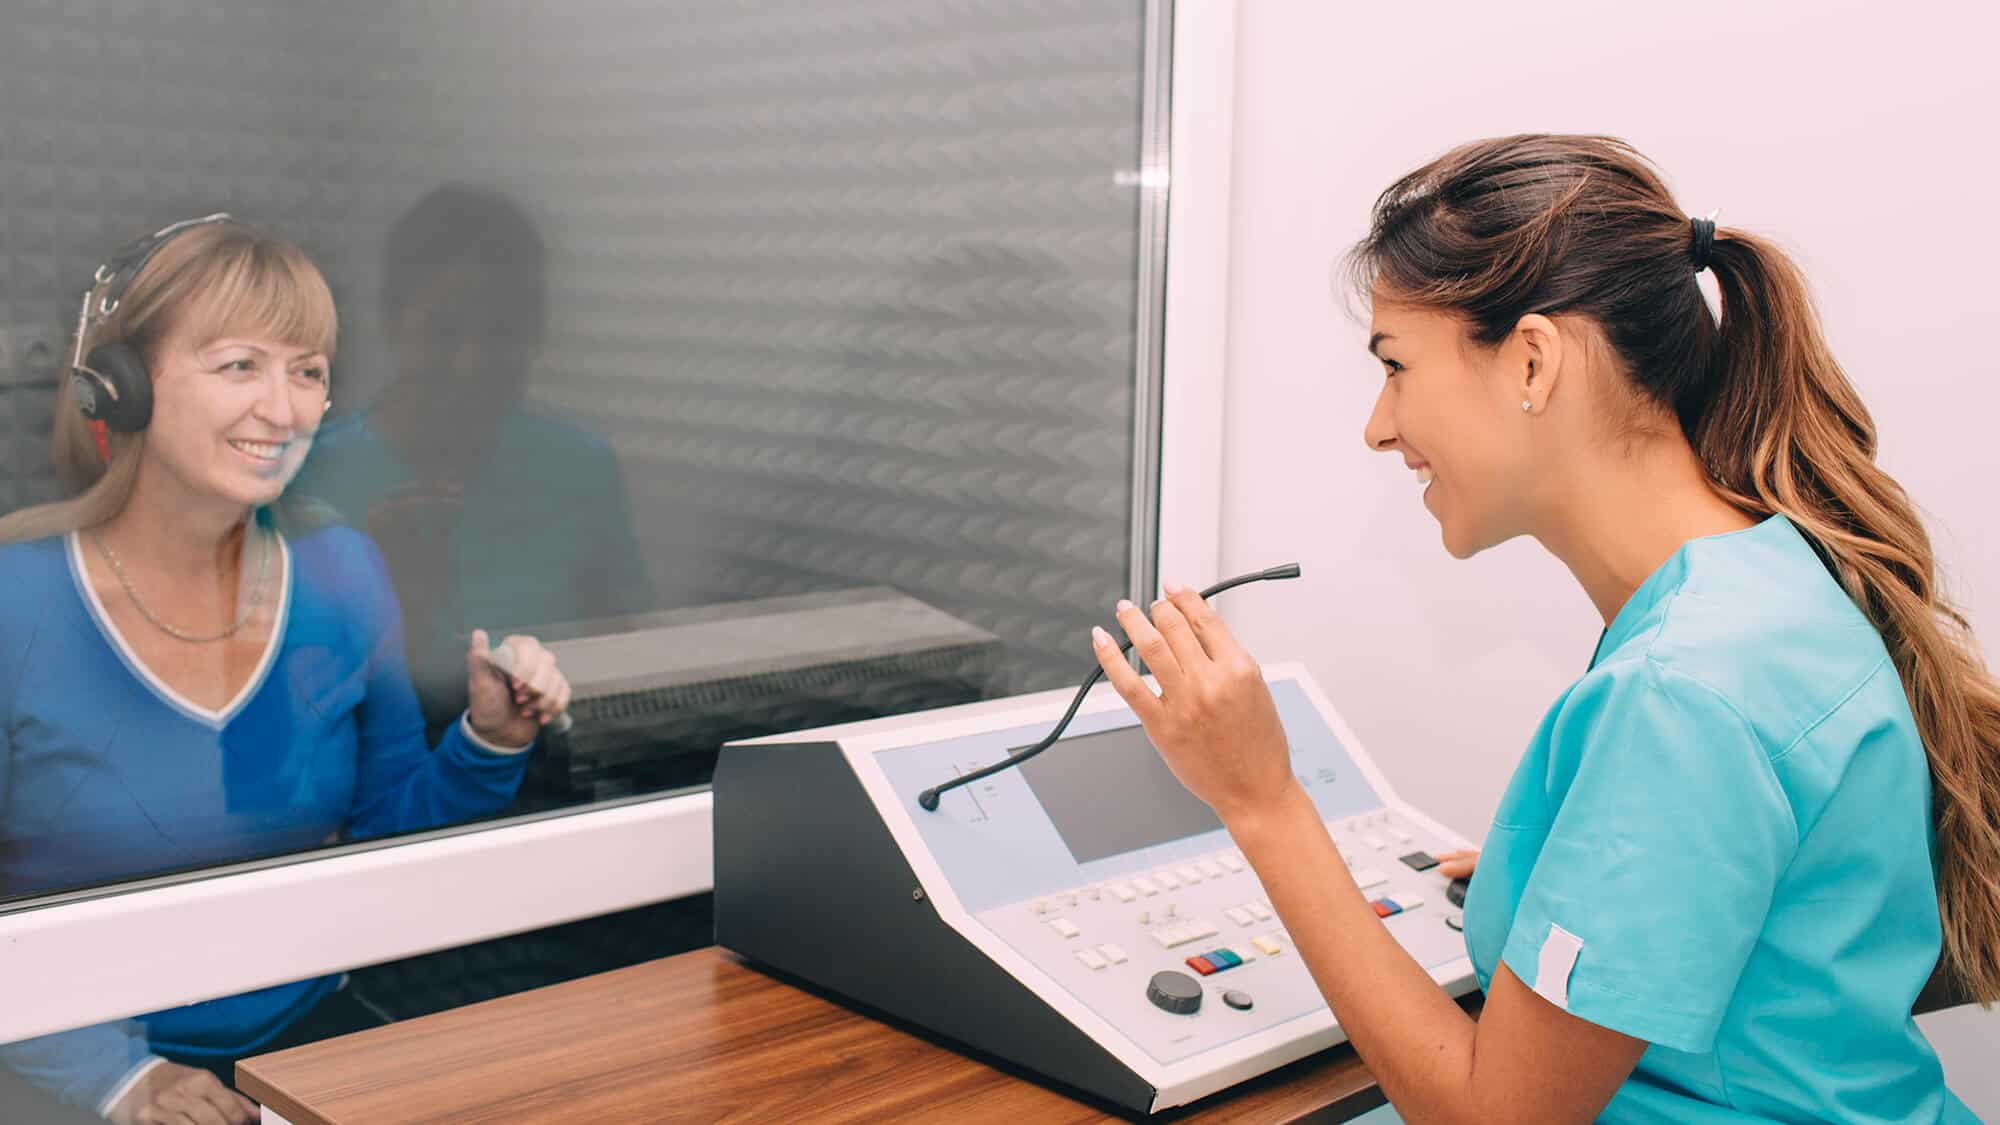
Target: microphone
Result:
[[929, 798], [500, 658]]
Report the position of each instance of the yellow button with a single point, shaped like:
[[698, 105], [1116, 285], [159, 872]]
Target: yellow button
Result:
[[1270, 946]]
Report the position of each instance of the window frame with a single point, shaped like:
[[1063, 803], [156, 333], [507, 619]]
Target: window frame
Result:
[[84, 958]]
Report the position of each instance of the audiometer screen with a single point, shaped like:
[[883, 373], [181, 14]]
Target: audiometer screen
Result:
[[1109, 793]]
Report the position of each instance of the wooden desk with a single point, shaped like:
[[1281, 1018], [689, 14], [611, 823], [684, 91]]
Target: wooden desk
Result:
[[703, 1036]]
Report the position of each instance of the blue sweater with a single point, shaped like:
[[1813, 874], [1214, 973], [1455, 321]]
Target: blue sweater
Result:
[[107, 774]]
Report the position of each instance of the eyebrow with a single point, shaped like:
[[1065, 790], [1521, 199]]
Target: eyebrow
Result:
[[1375, 340], [227, 343]]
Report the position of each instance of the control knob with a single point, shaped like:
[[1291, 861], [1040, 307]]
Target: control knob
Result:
[[1174, 992]]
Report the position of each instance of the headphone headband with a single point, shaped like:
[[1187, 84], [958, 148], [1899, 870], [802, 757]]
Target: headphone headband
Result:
[[115, 273], [120, 268]]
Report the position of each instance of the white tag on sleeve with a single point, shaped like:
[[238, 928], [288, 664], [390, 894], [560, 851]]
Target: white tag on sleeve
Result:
[[1553, 967]]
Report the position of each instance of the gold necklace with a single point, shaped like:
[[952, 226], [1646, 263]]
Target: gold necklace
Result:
[[242, 616]]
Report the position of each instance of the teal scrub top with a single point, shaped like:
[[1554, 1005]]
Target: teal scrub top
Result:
[[1719, 841]]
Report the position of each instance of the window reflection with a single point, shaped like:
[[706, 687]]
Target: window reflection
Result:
[[676, 336], [489, 513]]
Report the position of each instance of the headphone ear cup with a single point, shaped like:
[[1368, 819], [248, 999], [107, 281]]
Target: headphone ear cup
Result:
[[128, 405]]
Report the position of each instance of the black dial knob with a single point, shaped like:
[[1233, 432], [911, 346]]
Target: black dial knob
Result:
[[1174, 992]]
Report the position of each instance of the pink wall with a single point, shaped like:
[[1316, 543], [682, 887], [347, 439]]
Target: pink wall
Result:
[[1859, 135]]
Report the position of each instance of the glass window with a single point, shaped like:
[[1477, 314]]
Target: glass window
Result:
[[770, 365], [767, 365]]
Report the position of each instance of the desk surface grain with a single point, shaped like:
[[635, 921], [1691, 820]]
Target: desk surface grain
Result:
[[699, 1037]]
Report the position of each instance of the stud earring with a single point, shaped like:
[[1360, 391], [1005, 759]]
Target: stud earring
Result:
[[1526, 406]]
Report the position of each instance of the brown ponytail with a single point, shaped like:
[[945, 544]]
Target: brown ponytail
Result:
[[1786, 433], [1498, 229]]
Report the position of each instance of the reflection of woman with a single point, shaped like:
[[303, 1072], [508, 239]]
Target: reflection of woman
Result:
[[1712, 891], [191, 675], [486, 511]]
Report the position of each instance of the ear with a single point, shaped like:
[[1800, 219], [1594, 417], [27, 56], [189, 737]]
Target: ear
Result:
[[1536, 352]]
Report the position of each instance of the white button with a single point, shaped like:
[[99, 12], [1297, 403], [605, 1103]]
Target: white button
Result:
[[1374, 841], [1408, 902], [1112, 954], [1269, 945], [1238, 915], [1211, 870], [1041, 906], [1166, 879], [1188, 874], [1258, 911], [1064, 926], [1090, 959], [1184, 932], [1124, 891], [1402, 837], [1146, 886], [1369, 877], [1231, 861]]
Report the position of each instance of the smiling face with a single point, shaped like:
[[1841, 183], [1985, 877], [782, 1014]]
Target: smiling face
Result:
[[233, 415], [1452, 410], [237, 331]]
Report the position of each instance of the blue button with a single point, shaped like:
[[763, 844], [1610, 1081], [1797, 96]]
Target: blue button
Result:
[[1391, 904], [1223, 959]]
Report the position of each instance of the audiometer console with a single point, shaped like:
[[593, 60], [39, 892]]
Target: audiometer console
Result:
[[1082, 915]]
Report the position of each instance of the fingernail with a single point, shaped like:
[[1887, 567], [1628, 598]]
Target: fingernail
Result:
[[1159, 603], [1125, 604], [1174, 589], [1099, 637]]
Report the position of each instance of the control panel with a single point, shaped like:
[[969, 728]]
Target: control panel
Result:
[[1084, 894], [1198, 938]]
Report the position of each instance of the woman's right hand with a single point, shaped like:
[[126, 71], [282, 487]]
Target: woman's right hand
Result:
[[172, 1094], [1458, 864]]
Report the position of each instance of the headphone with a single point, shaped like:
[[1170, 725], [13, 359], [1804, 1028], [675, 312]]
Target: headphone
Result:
[[111, 385]]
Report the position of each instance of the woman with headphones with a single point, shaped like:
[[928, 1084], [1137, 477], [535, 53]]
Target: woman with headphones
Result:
[[194, 671], [1738, 847]]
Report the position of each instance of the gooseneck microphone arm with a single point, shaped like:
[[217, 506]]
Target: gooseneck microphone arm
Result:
[[929, 798]]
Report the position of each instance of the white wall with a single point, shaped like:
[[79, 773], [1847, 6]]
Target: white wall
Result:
[[1860, 135]]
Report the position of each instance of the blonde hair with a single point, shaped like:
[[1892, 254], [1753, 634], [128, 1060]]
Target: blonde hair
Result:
[[208, 281]]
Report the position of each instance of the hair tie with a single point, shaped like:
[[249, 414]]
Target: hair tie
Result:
[[1702, 241]]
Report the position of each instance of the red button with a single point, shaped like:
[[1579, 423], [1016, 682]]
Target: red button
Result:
[[1381, 909], [1201, 965]]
